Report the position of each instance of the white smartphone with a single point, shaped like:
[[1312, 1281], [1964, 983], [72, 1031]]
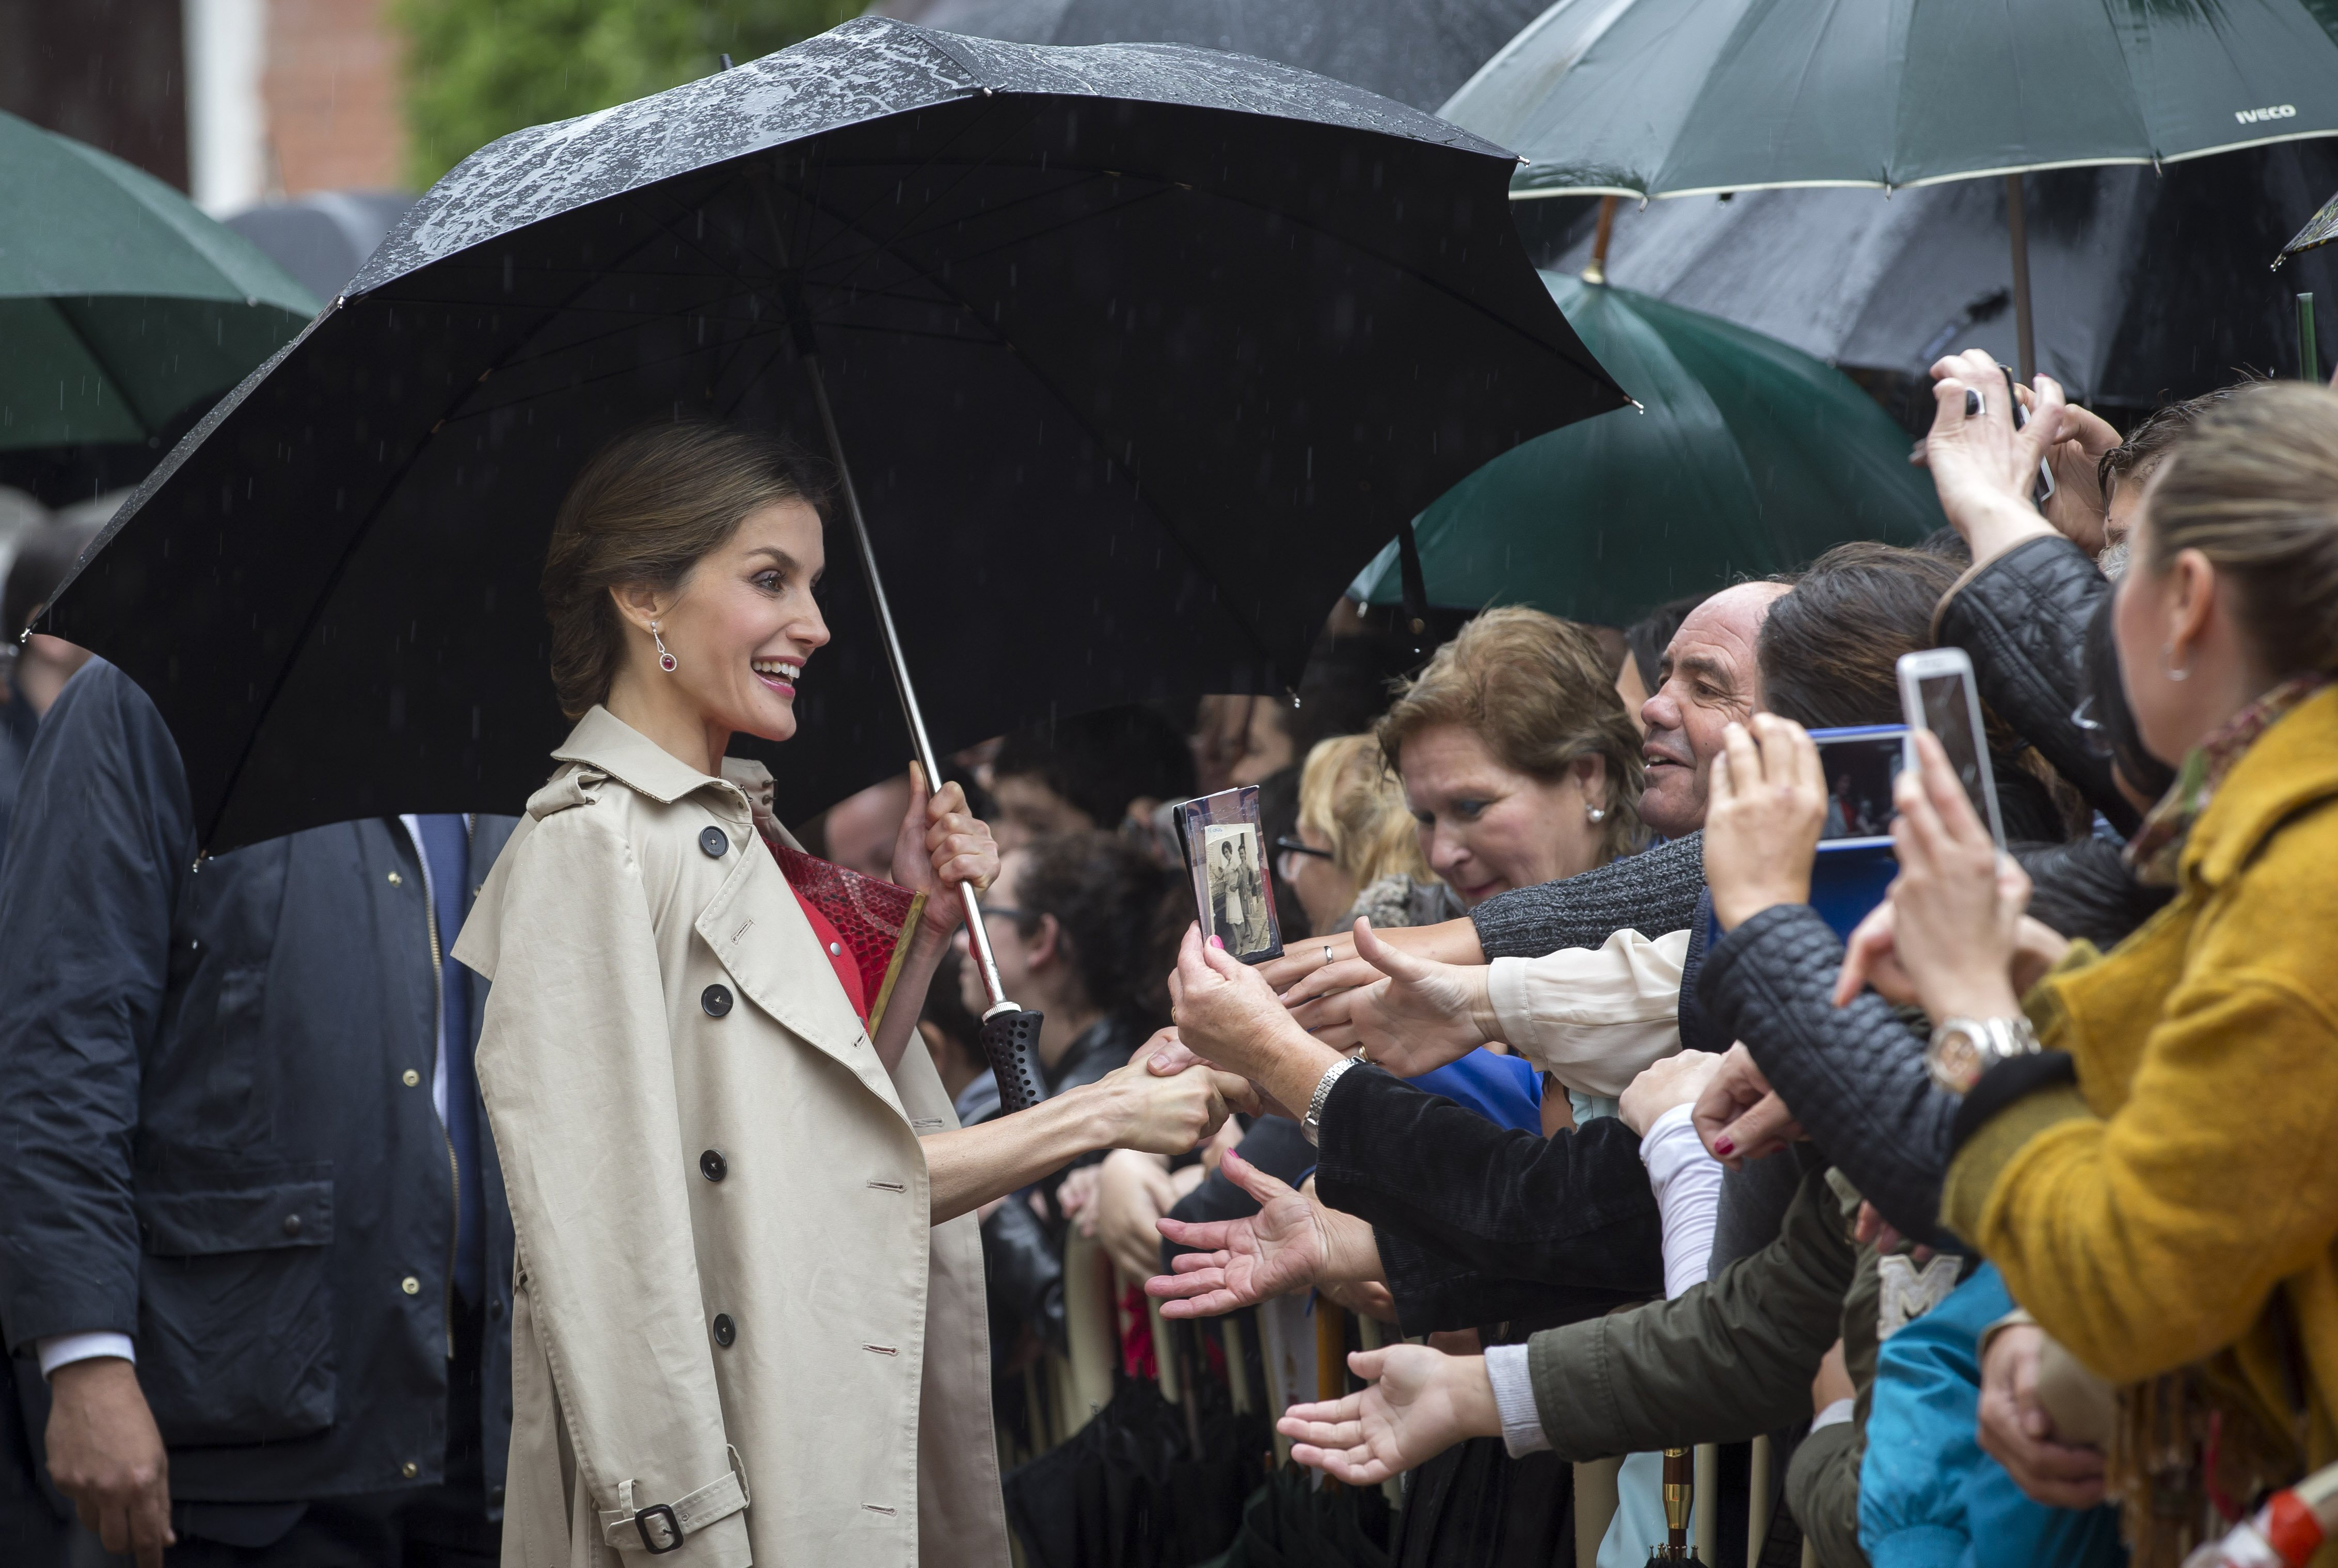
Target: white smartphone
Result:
[[1937, 693]]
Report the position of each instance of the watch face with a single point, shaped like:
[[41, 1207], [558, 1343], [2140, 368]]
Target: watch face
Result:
[[1957, 1057]]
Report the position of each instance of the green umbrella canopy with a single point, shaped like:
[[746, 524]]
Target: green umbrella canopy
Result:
[[123, 310], [1746, 457], [1670, 97]]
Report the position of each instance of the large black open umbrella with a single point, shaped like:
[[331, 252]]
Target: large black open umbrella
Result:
[[1138, 352]]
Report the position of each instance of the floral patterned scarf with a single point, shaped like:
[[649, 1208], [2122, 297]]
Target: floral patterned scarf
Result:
[[2158, 844]]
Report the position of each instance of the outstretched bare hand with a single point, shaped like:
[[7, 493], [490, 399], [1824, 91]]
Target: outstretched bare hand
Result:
[[1420, 1403], [1280, 1249]]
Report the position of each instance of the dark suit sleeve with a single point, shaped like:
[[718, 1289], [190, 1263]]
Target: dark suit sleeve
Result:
[[101, 839], [1573, 1212]]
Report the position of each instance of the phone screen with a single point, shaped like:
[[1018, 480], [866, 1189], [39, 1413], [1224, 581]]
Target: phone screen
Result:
[[1948, 713], [1859, 774]]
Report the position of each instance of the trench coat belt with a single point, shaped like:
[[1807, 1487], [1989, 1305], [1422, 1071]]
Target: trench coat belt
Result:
[[661, 1527]]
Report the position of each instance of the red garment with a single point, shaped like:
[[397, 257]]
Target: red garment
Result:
[[840, 958]]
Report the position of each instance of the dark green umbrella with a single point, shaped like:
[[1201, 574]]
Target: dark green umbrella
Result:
[[1746, 457], [123, 310], [1674, 97]]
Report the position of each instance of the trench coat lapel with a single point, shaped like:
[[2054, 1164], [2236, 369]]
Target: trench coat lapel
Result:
[[758, 931]]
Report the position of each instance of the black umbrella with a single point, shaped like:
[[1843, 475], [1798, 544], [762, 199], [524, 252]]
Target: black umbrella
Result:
[[1416, 52], [1140, 352]]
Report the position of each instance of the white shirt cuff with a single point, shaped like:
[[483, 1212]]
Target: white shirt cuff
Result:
[[1834, 1414], [1514, 1400], [63, 1349], [1687, 1184]]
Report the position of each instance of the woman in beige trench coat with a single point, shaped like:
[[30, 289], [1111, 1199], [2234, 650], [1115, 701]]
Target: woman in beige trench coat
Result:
[[748, 1309]]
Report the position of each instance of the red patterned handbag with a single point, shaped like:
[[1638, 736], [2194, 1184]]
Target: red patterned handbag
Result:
[[873, 918]]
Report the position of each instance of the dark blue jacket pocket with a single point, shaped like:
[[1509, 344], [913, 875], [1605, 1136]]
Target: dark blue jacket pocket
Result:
[[235, 1312]]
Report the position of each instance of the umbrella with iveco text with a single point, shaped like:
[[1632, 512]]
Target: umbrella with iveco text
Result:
[[1137, 353]]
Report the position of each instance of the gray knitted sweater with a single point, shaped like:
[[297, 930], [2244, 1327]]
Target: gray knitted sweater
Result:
[[1653, 892]]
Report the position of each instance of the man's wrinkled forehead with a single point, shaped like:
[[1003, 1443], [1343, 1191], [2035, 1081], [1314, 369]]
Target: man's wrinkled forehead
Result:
[[1720, 634]]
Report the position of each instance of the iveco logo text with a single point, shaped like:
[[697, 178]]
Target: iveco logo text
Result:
[[2278, 111]]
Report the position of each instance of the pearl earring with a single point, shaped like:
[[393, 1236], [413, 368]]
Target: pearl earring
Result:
[[1596, 813], [665, 660]]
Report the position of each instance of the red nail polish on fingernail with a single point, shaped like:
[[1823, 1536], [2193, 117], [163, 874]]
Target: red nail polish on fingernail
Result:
[[1724, 1147]]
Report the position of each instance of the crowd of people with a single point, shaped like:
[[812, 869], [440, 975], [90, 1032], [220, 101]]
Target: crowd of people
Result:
[[591, 1181]]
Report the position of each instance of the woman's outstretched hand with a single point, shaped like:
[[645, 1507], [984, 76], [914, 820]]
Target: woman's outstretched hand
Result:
[[942, 847], [1420, 1403], [1242, 1262], [1227, 1015], [1768, 806], [1161, 1115], [1421, 1015], [1957, 903]]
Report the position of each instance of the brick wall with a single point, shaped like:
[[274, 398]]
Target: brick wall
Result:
[[331, 90]]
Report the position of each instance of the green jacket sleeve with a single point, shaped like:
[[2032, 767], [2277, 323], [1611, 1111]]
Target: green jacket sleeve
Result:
[[1727, 1360]]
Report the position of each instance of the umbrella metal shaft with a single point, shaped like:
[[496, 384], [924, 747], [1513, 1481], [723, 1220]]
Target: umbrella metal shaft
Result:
[[978, 938]]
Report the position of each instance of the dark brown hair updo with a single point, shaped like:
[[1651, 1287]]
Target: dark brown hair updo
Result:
[[647, 508]]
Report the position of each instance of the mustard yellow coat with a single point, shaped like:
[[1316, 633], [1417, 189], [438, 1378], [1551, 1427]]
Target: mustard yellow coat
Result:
[[2149, 1218], [728, 1290]]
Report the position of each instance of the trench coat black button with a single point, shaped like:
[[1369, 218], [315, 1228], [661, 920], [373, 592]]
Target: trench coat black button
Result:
[[724, 1330], [291, 1224], [712, 1166], [716, 1000], [714, 841], [495, 1497]]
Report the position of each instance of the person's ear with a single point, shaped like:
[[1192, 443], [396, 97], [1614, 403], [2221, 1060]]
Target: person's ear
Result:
[[1042, 945], [2191, 602], [1590, 776], [639, 603]]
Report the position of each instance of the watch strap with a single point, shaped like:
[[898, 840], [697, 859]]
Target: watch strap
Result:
[[1312, 1124]]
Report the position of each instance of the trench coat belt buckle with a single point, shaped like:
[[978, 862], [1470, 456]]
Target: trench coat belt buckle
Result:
[[662, 1527]]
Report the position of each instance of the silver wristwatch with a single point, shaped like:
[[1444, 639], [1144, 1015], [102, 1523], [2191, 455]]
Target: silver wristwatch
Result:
[[1312, 1124], [1963, 1049]]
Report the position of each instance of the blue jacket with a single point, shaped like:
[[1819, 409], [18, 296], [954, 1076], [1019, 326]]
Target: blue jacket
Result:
[[1928, 1496], [219, 1124]]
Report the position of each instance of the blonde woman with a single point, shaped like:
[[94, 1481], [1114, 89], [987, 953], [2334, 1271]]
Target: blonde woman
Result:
[[1354, 831]]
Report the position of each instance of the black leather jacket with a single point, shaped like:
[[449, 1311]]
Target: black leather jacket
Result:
[[2022, 620], [1854, 1075]]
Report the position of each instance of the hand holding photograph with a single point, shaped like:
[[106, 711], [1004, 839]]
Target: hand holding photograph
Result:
[[1225, 849]]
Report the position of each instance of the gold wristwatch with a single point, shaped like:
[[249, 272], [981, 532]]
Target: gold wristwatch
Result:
[[1963, 1049]]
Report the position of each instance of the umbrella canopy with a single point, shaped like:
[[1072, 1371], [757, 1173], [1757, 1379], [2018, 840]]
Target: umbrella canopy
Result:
[[2150, 285], [1750, 458], [1416, 52], [1669, 97], [1138, 352], [124, 310]]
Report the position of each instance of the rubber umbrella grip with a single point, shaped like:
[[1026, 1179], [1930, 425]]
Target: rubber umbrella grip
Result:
[[1011, 1041]]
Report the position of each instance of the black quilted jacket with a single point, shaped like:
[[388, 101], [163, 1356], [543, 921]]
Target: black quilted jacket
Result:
[[2022, 620], [1854, 1075]]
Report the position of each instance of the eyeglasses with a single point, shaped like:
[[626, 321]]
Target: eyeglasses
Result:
[[1004, 913], [1293, 847]]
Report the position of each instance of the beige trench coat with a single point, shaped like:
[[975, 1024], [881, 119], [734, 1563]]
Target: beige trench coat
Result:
[[727, 1285]]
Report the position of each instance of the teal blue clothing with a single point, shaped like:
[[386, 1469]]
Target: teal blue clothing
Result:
[[1928, 1496]]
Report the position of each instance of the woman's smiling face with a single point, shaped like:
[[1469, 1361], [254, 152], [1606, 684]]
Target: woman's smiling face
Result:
[[1485, 827], [744, 621]]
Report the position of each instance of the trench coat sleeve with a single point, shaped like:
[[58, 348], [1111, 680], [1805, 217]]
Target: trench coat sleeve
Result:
[[102, 841], [575, 1061], [1721, 1362]]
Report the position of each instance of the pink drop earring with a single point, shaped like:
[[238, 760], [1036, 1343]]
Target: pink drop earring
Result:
[[665, 660]]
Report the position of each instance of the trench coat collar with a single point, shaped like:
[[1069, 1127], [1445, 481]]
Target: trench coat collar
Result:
[[607, 744]]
